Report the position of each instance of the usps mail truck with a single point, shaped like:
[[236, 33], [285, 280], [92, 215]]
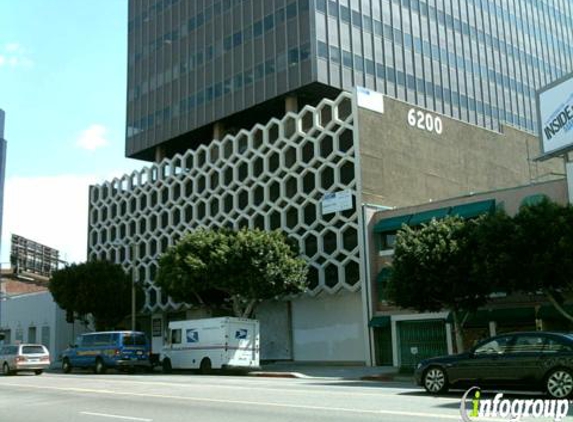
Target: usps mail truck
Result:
[[212, 343]]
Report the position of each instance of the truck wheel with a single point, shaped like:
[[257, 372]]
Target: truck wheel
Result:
[[99, 367], [66, 366], [38, 372], [166, 366], [205, 367]]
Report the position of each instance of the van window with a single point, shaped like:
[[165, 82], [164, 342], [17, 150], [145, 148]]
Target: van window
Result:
[[101, 339], [134, 340], [87, 341], [176, 336]]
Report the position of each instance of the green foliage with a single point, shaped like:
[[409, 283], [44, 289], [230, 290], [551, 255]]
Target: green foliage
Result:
[[543, 248], [99, 288], [231, 270], [432, 268], [456, 265]]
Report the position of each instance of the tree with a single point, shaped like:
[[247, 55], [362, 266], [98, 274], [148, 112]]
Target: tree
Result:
[[541, 248], [432, 270], [232, 271], [99, 288]]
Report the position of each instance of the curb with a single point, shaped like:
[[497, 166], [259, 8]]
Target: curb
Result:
[[278, 375]]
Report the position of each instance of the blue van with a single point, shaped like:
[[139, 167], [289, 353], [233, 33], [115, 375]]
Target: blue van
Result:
[[110, 349]]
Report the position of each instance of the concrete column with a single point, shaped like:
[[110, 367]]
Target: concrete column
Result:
[[159, 153], [492, 328], [218, 129], [291, 103]]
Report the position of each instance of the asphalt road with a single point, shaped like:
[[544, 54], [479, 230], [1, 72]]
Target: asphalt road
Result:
[[187, 397]]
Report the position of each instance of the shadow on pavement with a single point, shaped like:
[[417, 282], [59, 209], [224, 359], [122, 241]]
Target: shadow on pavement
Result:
[[368, 384]]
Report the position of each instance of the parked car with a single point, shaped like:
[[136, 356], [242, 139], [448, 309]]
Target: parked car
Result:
[[530, 360], [24, 357], [124, 350]]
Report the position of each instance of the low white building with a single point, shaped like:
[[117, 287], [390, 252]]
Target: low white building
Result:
[[36, 318]]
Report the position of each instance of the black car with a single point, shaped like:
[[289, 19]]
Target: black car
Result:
[[526, 361]]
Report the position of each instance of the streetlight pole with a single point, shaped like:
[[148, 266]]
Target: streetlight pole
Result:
[[133, 276], [133, 256]]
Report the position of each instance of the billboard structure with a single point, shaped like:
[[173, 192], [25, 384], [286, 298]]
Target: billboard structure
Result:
[[555, 117], [32, 257]]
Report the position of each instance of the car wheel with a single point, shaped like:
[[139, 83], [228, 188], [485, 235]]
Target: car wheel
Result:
[[435, 380], [166, 366], [559, 383], [205, 367], [6, 369], [38, 372], [99, 367], [66, 366]]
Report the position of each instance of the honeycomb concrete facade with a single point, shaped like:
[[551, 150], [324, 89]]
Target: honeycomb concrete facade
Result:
[[271, 177]]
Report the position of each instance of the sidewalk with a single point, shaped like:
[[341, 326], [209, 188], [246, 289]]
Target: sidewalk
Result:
[[341, 372]]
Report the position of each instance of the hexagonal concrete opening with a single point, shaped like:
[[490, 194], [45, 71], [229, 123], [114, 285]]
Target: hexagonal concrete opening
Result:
[[344, 109], [313, 278], [326, 177], [310, 245], [346, 173], [351, 273], [329, 242], [331, 275], [325, 115], [308, 182], [345, 140], [349, 239], [309, 213]]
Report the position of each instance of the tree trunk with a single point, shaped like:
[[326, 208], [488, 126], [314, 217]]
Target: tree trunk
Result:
[[249, 309], [557, 305], [458, 332], [237, 306]]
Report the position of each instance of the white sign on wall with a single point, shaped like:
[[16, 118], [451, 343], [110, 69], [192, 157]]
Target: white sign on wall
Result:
[[555, 116], [336, 201], [372, 100]]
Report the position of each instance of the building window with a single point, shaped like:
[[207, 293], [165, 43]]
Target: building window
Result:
[[46, 337], [387, 241], [31, 334]]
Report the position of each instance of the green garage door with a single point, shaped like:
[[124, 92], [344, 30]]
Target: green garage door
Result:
[[420, 340]]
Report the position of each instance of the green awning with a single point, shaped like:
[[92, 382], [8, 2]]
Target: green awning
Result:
[[380, 321], [426, 216], [502, 316], [533, 199], [391, 224], [474, 209]]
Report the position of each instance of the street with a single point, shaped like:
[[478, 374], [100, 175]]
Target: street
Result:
[[85, 397]]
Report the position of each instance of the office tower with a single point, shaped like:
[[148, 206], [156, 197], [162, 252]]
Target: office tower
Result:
[[200, 69]]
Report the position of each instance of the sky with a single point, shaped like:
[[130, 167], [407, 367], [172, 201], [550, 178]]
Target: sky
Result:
[[63, 71]]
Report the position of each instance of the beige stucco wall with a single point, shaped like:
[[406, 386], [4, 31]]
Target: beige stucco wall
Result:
[[403, 165]]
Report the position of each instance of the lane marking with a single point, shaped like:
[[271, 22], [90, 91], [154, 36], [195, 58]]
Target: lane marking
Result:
[[239, 402], [106, 415], [294, 389]]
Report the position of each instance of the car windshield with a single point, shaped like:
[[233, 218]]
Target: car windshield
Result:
[[31, 350]]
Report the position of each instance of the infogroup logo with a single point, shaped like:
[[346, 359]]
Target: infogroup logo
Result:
[[512, 410]]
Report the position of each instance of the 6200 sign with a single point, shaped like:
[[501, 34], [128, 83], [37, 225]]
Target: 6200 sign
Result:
[[425, 121]]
